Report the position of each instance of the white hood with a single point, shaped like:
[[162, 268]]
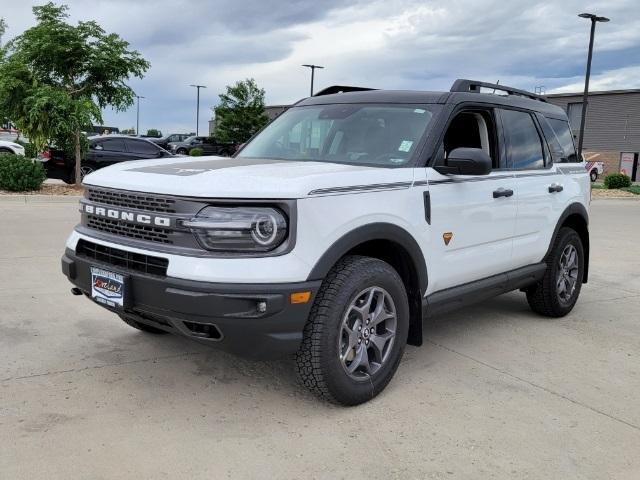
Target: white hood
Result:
[[222, 177]]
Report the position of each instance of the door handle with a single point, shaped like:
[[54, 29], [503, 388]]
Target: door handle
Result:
[[502, 192], [554, 188]]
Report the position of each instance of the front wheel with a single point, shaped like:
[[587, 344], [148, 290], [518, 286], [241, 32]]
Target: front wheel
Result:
[[557, 293], [356, 332], [594, 175], [86, 169]]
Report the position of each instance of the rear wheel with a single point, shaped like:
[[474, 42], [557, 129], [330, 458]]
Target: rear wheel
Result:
[[594, 175], [141, 326], [556, 294], [182, 151], [356, 332]]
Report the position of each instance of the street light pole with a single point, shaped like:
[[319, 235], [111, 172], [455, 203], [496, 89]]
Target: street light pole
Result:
[[198, 87], [594, 19], [313, 69], [138, 115]]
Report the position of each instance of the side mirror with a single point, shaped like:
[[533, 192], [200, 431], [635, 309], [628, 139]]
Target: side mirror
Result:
[[466, 161]]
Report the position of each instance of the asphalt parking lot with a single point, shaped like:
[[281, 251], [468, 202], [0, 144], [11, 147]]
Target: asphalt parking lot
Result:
[[495, 392]]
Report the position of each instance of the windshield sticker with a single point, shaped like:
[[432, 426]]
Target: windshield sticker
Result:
[[419, 110], [405, 146]]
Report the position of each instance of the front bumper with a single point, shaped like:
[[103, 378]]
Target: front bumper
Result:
[[226, 315]]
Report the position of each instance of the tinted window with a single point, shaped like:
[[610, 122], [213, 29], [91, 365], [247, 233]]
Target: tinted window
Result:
[[113, 145], [565, 138], [524, 148], [137, 146]]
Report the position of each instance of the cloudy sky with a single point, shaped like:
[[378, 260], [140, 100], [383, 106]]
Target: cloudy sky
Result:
[[398, 44]]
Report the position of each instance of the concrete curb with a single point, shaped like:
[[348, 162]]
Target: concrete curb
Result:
[[40, 199], [614, 197]]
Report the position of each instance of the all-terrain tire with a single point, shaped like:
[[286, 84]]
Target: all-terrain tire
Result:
[[141, 326], [544, 297], [594, 175], [318, 361]]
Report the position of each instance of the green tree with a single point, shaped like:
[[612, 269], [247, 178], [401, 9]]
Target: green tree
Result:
[[240, 112], [128, 131], [154, 132], [3, 28], [55, 78]]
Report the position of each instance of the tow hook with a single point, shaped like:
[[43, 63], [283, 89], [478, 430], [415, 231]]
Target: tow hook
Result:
[[76, 291]]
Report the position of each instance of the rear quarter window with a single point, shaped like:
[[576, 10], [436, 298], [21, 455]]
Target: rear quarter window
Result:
[[565, 138], [137, 146]]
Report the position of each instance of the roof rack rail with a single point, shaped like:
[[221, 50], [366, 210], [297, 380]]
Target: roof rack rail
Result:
[[341, 89], [473, 86]]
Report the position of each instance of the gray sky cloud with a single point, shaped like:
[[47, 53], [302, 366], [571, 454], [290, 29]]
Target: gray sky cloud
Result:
[[414, 44]]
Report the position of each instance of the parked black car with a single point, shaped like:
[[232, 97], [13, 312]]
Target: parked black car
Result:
[[209, 146], [103, 151], [173, 138]]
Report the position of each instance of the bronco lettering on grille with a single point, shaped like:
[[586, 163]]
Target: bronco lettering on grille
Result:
[[133, 217]]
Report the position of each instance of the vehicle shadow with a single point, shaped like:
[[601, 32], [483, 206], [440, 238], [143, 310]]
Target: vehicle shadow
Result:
[[217, 371]]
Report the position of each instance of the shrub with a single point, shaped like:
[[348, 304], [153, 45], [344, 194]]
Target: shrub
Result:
[[19, 174], [196, 152], [29, 149], [617, 180]]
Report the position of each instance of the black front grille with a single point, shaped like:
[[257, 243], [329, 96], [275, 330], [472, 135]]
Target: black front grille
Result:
[[138, 201], [131, 230], [121, 258]]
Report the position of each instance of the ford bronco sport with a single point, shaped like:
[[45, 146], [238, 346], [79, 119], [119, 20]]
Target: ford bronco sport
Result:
[[339, 228]]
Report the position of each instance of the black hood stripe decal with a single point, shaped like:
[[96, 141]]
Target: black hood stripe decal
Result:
[[196, 167]]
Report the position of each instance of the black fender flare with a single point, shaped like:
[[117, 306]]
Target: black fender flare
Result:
[[580, 210], [365, 233]]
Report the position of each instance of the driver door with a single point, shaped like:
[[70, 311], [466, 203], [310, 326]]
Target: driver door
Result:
[[472, 217]]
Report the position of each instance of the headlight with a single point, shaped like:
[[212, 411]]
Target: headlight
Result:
[[239, 229]]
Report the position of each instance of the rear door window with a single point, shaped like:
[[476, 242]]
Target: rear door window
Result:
[[522, 140]]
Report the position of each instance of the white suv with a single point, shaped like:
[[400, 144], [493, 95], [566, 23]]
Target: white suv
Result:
[[342, 226], [11, 148]]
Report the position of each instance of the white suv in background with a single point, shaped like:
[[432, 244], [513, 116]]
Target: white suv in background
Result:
[[341, 227], [9, 148]]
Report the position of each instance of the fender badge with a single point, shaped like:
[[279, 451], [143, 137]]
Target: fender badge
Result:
[[447, 236]]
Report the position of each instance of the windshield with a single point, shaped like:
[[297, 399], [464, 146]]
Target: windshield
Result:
[[381, 135]]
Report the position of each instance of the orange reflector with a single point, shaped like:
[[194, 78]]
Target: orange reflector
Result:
[[300, 297]]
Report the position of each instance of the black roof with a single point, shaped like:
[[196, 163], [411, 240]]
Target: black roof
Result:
[[516, 98]]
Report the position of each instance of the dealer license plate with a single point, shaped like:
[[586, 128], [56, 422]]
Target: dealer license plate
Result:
[[107, 288]]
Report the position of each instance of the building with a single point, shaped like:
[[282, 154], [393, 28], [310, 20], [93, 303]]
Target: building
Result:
[[274, 111], [612, 128]]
